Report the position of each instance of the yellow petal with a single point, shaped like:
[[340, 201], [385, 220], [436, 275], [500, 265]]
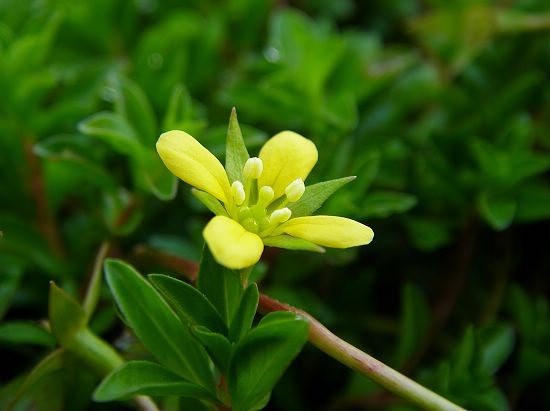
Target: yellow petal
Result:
[[286, 157], [231, 245], [329, 231], [186, 158]]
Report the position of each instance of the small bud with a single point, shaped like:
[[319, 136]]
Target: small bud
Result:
[[253, 168], [295, 190], [266, 195], [237, 191], [280, 216]]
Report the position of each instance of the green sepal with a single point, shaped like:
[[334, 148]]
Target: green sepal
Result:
[[236, 153], [146, 378], [315, 195], [220, 285], [261, 357], [245, 314], [292, 243], [66, 316], [191, 306], [217, 346], [210, 202], [156, 324]]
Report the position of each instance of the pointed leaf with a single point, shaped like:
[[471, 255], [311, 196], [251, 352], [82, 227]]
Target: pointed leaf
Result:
[[315, 195], [21, 332], [156, 325], [217, 345], [146, 378], [261, 358], [191, 306], [114, 130], [67, 317], [245, 314], [132, 104], [292, 243], [220, 285], [236, 153]]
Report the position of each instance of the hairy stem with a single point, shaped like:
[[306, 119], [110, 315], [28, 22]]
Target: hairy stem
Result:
[[363, 363]]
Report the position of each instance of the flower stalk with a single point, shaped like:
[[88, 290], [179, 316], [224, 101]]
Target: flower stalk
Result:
[[358, 360]]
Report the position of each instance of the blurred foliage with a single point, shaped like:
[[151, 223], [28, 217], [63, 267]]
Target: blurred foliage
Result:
[[441, 108]]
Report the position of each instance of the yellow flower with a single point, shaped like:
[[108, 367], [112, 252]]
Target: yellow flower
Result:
[[256, 209]]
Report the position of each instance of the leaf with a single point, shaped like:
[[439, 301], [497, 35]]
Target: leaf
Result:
[[153, 176], [67, 317], [497, 211], [220, 285], [292, 243], [156, 325], [245, 314], [236, 153], [132, 104], [11, 277], [465, 353], [260, 359], [21, 332], [191, 306], [415, 319], [496, 343], [385, 203], [211, 202], [315, 195], [51, 363], [146, 378], [114, 130], [217, 346]]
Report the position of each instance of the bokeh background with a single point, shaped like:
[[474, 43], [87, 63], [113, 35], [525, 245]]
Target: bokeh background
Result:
[[441, 108]]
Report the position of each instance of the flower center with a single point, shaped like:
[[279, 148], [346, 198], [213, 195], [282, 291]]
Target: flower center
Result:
[[254, 207]]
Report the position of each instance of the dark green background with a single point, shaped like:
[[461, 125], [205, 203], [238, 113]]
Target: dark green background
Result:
[[441, 108]]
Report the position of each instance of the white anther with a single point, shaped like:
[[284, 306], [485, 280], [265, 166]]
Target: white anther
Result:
[[280, 216], [295, 190], [266, 195], [237, 191], [253, 168]]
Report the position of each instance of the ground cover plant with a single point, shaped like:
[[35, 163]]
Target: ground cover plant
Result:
[[431, 126]]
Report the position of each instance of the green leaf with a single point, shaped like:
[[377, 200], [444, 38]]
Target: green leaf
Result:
[[146, 378], [211, 202], [385, 203], [156, 325], [220, 285], [11, 277], [153, 176], [496, 343], [67, 317], [20, 332], [292, 243], [132, 104], [236, 153], [497, 211], [415, 320], [114, 130], [191, 306], [245, 314], [50, 364], [315, 195], [465, 353], [217, 345], [260, 359]]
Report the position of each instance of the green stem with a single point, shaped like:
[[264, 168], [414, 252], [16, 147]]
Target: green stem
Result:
[[363, 363], [245, 273], [514, 21]]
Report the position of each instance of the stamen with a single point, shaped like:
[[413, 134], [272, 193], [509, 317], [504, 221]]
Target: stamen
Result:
[[265, 196], [295, 190], [280, 216], [237, 191], [253, 168]]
